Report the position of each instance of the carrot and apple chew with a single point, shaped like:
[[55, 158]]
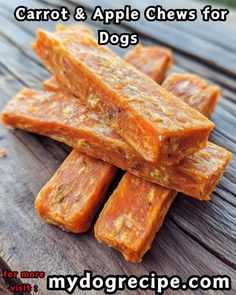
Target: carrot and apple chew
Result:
[[64, 118], [160, 127], [136, 210], [150, 61], [165, 197], [72, 197], [132, 216], [194, 91], [74, 194]]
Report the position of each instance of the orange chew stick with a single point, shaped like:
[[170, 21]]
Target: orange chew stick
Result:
[[162, 128], [137, 208], [153, 61], [48, 212], [132, 216], [194, 91], [65, 119], [191, 88], [73, 195]]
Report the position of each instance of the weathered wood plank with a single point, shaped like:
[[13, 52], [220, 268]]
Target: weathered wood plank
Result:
[[198, 48], [228, 84], [225, 36]]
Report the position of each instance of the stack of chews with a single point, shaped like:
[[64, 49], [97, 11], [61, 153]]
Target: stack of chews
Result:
[[114, 113]]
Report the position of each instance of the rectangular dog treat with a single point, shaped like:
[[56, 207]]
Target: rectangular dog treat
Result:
[[73, 195], [137, 208], [162, 128], [132, 216], [65, 119], [152, 61], [194, 91], [80, 180], [191, 88]]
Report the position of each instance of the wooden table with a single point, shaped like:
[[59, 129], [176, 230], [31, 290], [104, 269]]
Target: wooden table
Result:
[[197, 238]]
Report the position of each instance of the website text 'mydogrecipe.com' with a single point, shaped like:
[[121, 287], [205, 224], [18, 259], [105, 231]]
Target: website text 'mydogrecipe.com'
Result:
[[113, 283]]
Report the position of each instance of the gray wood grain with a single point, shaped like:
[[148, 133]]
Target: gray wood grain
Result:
[[197, 238], [179, 40]]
